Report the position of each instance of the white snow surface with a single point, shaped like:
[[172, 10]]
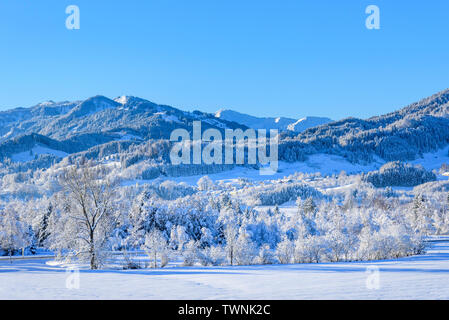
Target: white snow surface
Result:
[[306, 123], [166, 117], [418, 277], [323, 163], [326, 164], [36, 151], [433, 160], [124, 136]]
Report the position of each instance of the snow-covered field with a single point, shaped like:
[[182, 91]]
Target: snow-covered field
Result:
[[324, 164], [418, 277], [36, 151]]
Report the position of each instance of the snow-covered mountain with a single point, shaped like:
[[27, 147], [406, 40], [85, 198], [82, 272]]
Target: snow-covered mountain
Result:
[[135, 132], [104, 116], [98, 127], [280, 123], [406, 134]]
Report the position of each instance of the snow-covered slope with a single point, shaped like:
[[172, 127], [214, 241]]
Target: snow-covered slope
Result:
[[36, 151], [419, 277], [26, 147], [402, 135], [279, 123], [99, 115], [306, 123]]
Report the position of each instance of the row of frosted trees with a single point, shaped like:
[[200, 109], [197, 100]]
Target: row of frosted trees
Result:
[[92, 216]]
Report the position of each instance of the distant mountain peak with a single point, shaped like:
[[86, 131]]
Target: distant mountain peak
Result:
[[93, 105], [46, 103], [279, 123], [123, 100]]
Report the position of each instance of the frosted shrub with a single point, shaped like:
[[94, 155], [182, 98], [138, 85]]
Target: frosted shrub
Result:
[[376, 246], [156, 248], [178, 238], [130, 261], [406, 243], [212, 256], [190, 253], [205, 183], [246, 251], [170, 190], [339, 245], [317, 246], [285, 251], [266, 256], [309, 250], [165, 258]]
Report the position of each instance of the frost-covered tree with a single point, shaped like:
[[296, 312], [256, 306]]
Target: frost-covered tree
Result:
[[14, 232], [205, 183], [309, 207], [305, 217], [178, 238], [339, 245], [88, 216], [285, 251], [212, 256], [190, 253], [207, 238], [245, 250], [42, 231], [156, 248], [230, 235], [266, 255], [423, 220], [310, 249]]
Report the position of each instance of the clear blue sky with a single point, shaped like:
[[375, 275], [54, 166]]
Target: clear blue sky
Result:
[[280, 57]]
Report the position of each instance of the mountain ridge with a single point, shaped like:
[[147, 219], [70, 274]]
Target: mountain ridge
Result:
[[135, 132], [100, 114], [279, 123]]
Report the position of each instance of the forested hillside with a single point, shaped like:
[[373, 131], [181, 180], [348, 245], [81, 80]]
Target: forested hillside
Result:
[[401, 135], [135, 132]]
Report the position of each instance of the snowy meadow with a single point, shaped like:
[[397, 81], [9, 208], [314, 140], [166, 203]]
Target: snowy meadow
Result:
[[301, 218]]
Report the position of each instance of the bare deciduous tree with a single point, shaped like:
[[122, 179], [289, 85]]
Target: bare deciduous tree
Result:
[[89, 214]]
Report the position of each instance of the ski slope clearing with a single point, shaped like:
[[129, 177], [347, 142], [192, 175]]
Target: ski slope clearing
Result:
[[325, 164], [37, 151], [418, 277]]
